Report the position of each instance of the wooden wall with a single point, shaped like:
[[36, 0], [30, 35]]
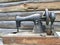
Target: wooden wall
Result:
[[8, 12]]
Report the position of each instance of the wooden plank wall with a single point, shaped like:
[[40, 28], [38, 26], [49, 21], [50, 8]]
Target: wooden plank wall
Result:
[[30, 7], [10, 11], [4, 1]]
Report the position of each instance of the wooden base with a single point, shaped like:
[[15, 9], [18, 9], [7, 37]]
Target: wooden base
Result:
[[16, 39], [32, 40]]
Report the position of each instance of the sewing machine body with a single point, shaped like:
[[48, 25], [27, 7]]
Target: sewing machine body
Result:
[[37, 19]]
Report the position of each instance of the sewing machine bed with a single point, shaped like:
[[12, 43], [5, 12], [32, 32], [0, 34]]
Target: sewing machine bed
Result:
[[29, 38]]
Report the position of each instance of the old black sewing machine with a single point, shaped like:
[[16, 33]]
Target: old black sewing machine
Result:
[[47, 17]]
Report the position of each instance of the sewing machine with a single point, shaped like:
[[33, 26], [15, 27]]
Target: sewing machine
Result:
[[38, 19]]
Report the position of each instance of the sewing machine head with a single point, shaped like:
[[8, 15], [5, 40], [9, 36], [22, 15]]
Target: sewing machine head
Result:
[[37, 19]]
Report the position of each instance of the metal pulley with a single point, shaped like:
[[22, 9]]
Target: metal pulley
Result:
[[49, 17]]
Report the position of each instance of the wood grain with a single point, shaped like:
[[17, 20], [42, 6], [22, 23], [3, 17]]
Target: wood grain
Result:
[[29, 40], [9, 0], [24, 25], [12, 24], [32, 40], [32, 7], [12, 15]]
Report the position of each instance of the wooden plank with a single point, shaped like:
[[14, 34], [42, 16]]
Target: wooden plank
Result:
[[30, 7], [24, 25], [26, 13], [13, 18], [12, 3], [12, 24], [24, 1], [57, 17], [9, 0], [6, 31], [11, 15], [32, 40]]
